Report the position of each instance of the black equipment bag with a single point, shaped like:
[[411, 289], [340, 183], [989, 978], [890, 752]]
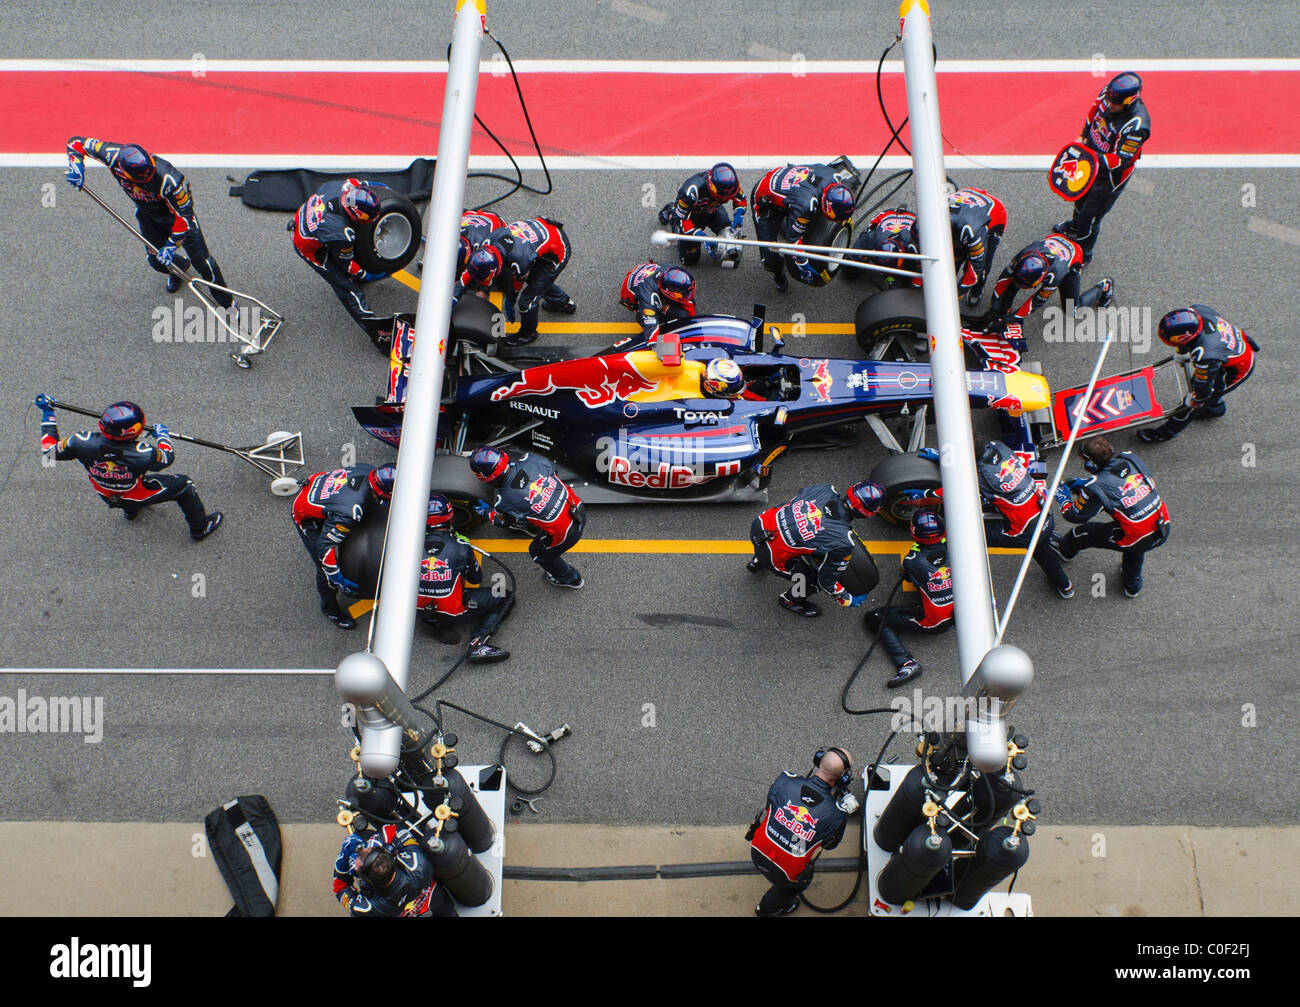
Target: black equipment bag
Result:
[[288, 188], [244, 837]]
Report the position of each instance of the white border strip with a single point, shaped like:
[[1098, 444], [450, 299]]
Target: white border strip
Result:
[[498, 67], [167, 671], [378, 162]]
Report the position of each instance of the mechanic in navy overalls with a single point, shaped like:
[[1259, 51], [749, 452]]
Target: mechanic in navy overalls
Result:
[[699, 205], [803, 816], [523, 260], [785, 203], [388, 874]]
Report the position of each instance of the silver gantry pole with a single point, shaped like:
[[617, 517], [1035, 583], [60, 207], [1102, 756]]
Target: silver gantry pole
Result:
[[967, 551], [404, 552]]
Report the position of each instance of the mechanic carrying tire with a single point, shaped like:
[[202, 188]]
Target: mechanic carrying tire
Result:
[[808, 541], [786, 203]]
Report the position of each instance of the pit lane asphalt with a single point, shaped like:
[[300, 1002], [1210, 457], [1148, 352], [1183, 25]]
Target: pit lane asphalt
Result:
[[1135, 715]]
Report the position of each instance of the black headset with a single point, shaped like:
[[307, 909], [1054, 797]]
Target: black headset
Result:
[[846, 779]]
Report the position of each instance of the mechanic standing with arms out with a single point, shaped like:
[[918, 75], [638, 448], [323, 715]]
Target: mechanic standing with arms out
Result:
[[978, 222], [451, 580], [809, 542], [657, 294], [699, 206], [926, 567], [120, 464], [388, 874], [324, 236], [1120, 485], [329, 508], [1041, 269], [532, 499], [1116, 128], [1222, 357], [785, 202], [804, 815], [523, 260], [164, 207]]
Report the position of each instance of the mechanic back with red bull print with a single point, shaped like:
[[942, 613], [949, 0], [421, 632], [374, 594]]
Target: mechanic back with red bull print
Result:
[[804, 815]]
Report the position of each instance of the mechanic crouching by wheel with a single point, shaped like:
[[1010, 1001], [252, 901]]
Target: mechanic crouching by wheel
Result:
[[809, 542], [656, 294], [1222, 357], [785, 202], [532, 499], [1041, 269], [1120, 485], [324, 236], [523, 260], [926, 567], [699, 206], [892, 231], [804, 815], [329, 508], [120, 464], [451, 580], [388, 874]]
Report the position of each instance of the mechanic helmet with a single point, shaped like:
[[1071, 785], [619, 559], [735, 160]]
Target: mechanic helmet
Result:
[[864, 499], [927, 526], [381, 481], [359, 202], [440, 513], [462, 254], [483, 265], [889, 243], [1123, 89], [677, 285], [134, 162], [723, 379], [122, 421], [1180, 326], [488, 463], [837, 202], [1029, 269], [723, 182], [376, 866]]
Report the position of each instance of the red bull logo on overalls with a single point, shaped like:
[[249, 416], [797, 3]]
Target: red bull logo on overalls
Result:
[[798, 819]]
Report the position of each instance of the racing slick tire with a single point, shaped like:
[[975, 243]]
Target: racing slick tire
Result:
[[909, 483], [473, 320], [897, 314], [390, 241], [836, 234], [861, 577]]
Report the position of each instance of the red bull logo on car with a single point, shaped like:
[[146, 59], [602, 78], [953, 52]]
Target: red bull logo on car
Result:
[[597, 381], [798, 819], [822, 380]]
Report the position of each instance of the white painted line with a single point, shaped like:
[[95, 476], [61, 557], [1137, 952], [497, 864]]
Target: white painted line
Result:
[[373, 162], [1268, 228], [166, 671], [1112, 66], [637, 10]]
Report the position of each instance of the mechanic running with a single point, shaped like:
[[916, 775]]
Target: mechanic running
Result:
[[926, 567], [809, 542], [1041, 269], [164, 207], [785, 203], [120, 464], [699, 206], [1222, 357], [1120, 485], [330, 507], [451, 585], [657, 294], [388, 874], [804, 815], [523, 260], [532, 499]]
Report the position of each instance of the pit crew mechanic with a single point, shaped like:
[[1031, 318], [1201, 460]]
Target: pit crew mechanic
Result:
[[120, 464], [803, 816], [531, 498], [809, 542], [656, 294], [785, 202], [699, 205], [1041, 269], [475, 227], [330, 507], [164, 207], [978, 222], [892, 231], [388, 874]]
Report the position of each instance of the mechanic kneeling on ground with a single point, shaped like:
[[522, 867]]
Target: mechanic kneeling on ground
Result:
[[657, 294], [1120, 485], [451, 585], [1041, 269], [785, 202], [1222, 357], [388, 874], [803, 816], [532, 499], [809, 542], [164, 207], [699, 206], [329, 508], [893, 231], [926, 567], [119, 464]]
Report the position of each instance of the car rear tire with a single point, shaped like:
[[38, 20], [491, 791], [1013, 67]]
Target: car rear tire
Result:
[[903, 477], [392, 239]]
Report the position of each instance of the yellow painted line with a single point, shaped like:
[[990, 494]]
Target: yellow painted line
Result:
[[406, 279]]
